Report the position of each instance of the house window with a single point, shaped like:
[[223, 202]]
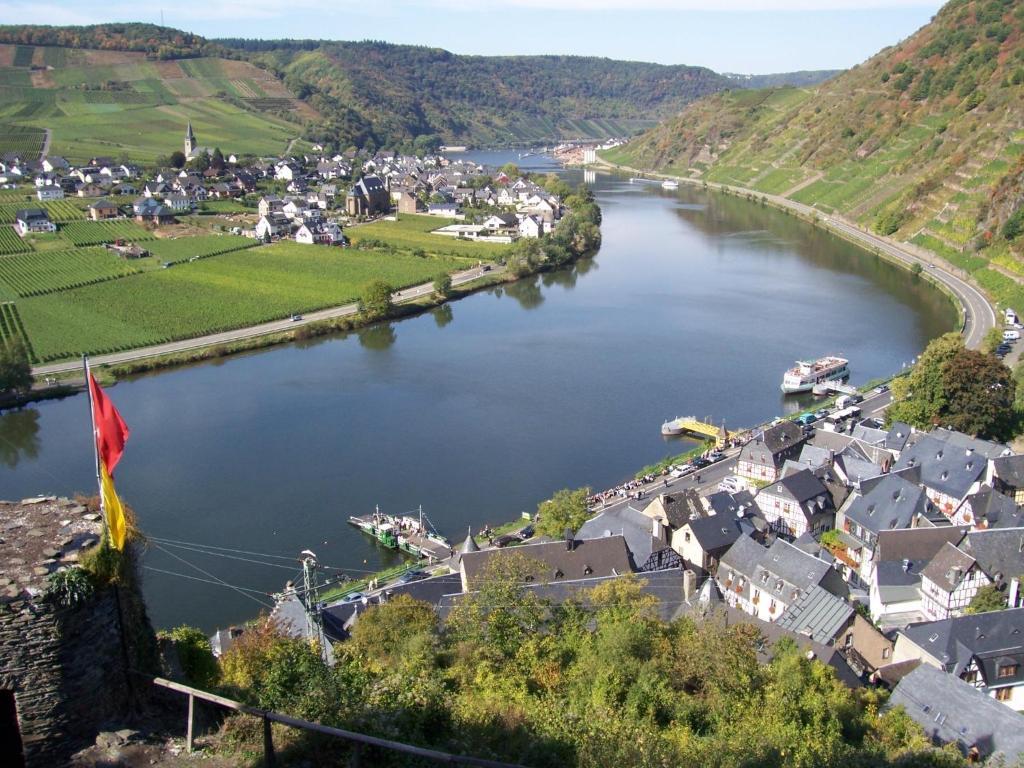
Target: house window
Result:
[[1010, 670], [1003, 694], [886, 652], [686, 536]]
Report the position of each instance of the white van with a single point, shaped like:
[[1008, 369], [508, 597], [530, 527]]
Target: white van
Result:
[[1011, 335], [731, 484], [843, 400]]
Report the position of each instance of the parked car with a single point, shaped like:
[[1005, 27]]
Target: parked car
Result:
[[682, 470], [410, 576], [715, 456], [700, 462], [731, 484], [881, 389], [821, 413], [296, 318], [352, 597], [806, 419]]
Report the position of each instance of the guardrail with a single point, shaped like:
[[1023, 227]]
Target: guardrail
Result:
[[358, 739]]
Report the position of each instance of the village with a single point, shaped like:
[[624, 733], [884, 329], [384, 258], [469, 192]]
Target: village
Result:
[[308, 199], [893, 555]]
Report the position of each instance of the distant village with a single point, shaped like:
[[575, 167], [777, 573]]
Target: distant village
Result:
[[309, 199]]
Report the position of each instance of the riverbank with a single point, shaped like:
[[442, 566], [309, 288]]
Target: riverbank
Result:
[[977, 312]]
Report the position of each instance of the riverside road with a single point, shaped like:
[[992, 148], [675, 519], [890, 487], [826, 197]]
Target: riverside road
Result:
[[979, 314]]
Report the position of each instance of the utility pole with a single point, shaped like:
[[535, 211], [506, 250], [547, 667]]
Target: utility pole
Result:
[[311, 601]]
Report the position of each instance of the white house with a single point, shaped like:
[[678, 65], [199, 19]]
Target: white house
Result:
[[530, 226]]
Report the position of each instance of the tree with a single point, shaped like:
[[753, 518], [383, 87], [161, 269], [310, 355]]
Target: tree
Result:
[[15, 367], [979, 393], [919, 398], [987, 599], [217, 160], [992, 339], [375, 301], [443, 285], [565, 511], [177, 159]]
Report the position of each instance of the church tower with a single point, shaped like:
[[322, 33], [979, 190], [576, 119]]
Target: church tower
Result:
[[190, 141]]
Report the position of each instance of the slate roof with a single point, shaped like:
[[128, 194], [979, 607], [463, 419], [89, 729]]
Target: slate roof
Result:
[[889, 503], [948, 568], [678, 506], [723, 503], [896, 439], [802, 486], [946, 467], [1009, 469], [780, 438], [992, 509], [817, 614], [607, 556], [632, 524], [999, 552], [987, 448], [715, 533], [950, 710], [782, 571], [991, 638], [915, 544]]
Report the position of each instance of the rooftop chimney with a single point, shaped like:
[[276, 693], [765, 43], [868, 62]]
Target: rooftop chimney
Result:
[[906, 565]]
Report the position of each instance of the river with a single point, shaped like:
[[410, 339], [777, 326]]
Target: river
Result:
[[695, 304]]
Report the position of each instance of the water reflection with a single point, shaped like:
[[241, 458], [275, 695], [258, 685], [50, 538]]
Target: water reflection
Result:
[[19, 436], [527, 292], [442, 315], [378, 337]]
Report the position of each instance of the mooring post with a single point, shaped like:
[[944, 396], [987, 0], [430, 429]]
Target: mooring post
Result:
[[269, 759], [190, 735]]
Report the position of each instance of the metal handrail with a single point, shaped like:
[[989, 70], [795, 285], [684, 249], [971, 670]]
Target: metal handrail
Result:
[[269, 716]]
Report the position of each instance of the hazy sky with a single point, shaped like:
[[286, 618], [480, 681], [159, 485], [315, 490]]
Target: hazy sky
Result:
[[749, 36]]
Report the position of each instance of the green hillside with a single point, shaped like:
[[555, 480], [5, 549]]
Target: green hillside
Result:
[[923, 141], [124, 104]]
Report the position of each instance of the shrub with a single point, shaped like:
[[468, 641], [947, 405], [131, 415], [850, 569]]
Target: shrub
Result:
[[195, 655]]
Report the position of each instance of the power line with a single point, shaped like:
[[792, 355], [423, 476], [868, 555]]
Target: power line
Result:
[[210, 575]]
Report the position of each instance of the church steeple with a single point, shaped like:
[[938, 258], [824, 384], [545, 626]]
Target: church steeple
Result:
[[190, 141]]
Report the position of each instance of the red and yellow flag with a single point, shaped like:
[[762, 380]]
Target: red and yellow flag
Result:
[[111, 434], [111, 431]]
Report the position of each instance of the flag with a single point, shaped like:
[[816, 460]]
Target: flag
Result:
[[111, 431], [117, 523]]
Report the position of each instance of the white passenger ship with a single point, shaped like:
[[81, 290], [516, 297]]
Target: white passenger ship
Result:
[[804, 375]]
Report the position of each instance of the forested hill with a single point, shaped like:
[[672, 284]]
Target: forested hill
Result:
[[387, 92], [923, 141]]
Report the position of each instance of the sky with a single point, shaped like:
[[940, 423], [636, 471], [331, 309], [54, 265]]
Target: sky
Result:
[[744, 36]]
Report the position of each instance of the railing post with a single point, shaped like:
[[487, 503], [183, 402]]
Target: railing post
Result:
[[269, 759], [190, 734]]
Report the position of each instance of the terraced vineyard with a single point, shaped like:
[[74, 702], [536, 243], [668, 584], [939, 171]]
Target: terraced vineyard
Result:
[[36, 274], [186, 248], [11, 242], [82, 233]]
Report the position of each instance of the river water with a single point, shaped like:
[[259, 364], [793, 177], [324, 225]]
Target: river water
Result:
[[695, 304]]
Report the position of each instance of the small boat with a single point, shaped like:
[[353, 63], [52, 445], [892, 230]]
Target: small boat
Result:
[[669, 184], [805, 374], [672, 428]]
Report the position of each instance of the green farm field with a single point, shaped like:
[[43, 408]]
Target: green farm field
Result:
[[229, 291], [185, 248], [413, 232]]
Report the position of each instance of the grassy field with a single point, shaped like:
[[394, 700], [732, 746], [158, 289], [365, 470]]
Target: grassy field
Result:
[[413, 232], [228, 291], [34, 274]]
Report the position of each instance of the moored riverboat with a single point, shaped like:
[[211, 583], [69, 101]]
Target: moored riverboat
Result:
[[414, 535], [805, 374]]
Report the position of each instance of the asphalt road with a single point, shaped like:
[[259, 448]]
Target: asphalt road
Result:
[[979, 314], [276, 326]]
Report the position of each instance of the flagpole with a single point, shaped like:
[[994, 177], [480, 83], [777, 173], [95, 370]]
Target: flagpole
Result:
[[95, 443]]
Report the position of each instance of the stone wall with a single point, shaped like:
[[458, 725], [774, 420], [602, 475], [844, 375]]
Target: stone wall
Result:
[[68, 666]]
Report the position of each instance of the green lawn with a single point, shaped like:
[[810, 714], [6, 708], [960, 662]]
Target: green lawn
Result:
[[214, 294], [413, 232]]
